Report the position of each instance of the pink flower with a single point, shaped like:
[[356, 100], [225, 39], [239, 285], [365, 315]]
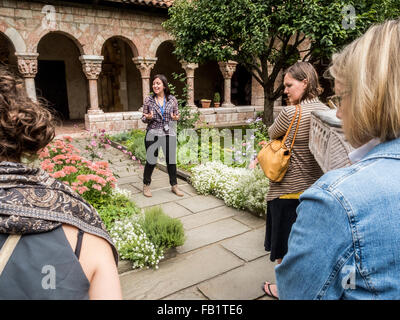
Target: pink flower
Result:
[[58, 174], [83, 189], [70, 169], [97, 187], [93, 143]]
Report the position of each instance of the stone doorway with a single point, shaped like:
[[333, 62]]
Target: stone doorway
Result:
[[51, 84], [241, 87]]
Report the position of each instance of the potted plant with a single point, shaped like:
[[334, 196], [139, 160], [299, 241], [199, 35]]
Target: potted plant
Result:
[[217, 99], [205, 103]]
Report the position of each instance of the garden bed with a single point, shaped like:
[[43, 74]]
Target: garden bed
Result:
[[143, 238], [239, 186]]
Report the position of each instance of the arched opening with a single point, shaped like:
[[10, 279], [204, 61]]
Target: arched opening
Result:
[[207, 81], [119, 85], [60, 79], [167, 64], [241, 86], [7, 54]]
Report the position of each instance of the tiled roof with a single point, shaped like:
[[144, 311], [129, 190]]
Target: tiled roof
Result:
[[155, 3]]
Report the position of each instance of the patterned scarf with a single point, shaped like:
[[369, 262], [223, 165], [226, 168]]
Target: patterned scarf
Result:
[[33, 202]]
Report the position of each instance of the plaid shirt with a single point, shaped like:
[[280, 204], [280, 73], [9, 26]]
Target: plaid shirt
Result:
[[156, 124]]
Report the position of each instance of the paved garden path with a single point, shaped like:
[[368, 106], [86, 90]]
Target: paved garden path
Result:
[[223, 256]]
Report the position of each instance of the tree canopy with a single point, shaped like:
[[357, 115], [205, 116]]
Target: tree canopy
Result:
[[267, 36]]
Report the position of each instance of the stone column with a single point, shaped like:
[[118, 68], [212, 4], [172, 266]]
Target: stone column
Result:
[[227, 69], [189, 69], [27, 66], [92, 67], [145, 65]]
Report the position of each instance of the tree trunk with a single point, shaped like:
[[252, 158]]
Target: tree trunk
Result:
[[268, 117]]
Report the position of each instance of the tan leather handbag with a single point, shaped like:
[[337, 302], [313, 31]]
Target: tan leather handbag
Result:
[[274, 157]]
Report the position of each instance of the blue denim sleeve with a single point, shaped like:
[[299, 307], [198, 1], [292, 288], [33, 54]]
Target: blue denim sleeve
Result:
[[320, 247]]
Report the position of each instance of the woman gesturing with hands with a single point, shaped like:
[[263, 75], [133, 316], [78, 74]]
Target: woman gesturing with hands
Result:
[[160, 111]]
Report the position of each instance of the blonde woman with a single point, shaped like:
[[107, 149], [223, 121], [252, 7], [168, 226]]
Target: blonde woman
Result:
[[345, 242]]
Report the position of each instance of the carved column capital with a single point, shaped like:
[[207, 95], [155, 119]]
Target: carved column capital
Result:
[[227, 68], [27, 64], [91, 66], [189, 68], [145, 65]]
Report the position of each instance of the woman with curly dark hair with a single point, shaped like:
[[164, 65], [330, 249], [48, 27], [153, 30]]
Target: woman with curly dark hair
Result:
[[53, 244]]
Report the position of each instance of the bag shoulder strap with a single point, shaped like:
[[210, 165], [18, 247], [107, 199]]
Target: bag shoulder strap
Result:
[[7, 250], [290, 126], [297, 127]]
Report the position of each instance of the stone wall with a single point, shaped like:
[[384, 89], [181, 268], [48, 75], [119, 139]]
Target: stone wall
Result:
[[219, 117]]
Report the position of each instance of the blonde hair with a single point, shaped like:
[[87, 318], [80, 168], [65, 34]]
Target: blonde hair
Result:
[[369, 71]]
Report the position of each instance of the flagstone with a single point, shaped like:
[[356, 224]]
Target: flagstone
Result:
[[206, 217], [159, 196], [191, 293], [200, 203], [247, 246], [178, 273], [243, 283], [211, 233], [175, 210]]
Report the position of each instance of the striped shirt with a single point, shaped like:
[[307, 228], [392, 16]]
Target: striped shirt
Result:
[[303, 170]]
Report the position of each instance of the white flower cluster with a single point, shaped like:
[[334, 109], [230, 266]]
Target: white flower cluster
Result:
[[240, 188], [132, 243], [125, 192]]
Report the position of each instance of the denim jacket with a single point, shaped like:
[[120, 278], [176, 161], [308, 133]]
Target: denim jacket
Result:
[[345, 243]]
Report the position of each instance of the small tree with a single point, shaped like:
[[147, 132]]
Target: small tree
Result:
[[188, 117], [267, 36]]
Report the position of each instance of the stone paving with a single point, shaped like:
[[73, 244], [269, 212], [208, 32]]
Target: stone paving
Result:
[[223, 256]]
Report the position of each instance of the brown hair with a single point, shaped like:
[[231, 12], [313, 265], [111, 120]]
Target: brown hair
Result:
[[25, 126], [302, 70], [165, 83]]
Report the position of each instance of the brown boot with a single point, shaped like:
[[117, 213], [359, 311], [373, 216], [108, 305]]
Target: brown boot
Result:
[[146, 191], [175, 190]]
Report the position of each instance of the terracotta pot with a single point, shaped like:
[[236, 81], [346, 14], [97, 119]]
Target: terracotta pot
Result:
[[205, 103], [216, 104]]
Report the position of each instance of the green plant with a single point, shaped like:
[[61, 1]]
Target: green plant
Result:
[[188, 116], [217, 97], [117, 208], [267, 36], [135, 144], [162, 230], [239, 187], [133, 244]]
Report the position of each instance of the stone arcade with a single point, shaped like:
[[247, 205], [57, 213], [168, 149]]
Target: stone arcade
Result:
[[94, 60]]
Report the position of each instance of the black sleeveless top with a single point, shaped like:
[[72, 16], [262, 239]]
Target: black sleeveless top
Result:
[[44, 266]]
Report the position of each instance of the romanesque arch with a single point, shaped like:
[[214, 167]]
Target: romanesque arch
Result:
[[119, 83], [168, 64], [7, 53], [60, 78]]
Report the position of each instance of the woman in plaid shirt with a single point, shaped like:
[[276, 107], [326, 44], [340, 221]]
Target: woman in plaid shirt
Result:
[[160, 112]]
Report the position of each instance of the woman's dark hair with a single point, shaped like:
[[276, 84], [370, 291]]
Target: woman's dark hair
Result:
[[303, 70], [164, 80], [26, 126]]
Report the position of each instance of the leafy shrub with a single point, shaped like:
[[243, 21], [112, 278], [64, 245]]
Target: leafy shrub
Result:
[[135, 144], [117, 208], [133, 244], [239, 187], [94, 181], [162, 230]]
